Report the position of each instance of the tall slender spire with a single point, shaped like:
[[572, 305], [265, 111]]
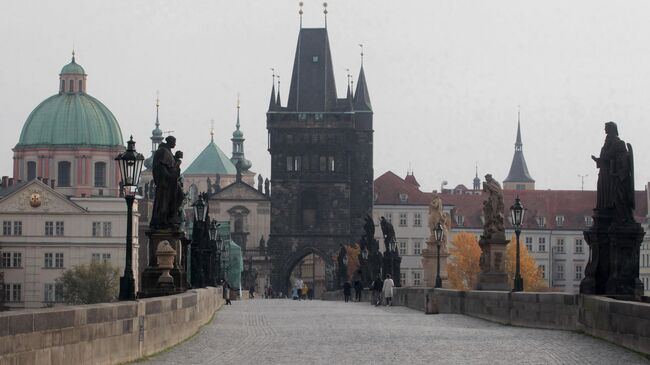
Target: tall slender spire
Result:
[[237, 125], [156, 135], [518, 144], [212, 130], [361, 96], [272, 101], [325, 13], [300, 3], [477, 181], [157, 109], [278, 101], [238, 157], [518, 175], [349, 94]]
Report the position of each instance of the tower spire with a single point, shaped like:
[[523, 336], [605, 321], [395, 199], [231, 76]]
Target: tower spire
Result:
[[212, 130], [277, 99], [157, 108], [272, 101], [361, 96], [300, 3], [237, 125], [325, 13], [518, 178], [518, 144], [361, 46]]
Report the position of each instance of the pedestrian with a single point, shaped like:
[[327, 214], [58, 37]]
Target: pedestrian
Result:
[[251, 292], [294, 293], [303, 291], [226, 292], [376, 286], [310, 293], [358, 287], [347, 288], [388, 290]]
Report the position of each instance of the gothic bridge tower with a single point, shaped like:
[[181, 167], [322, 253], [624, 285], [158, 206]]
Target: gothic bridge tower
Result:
[[321, 162]]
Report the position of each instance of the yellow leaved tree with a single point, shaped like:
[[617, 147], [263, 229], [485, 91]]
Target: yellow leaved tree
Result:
[[530, 271], [463, 262], [353, 258]]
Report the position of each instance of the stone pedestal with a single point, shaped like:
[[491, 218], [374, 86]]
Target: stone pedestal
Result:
[[430, 265], [493, 256], [613, 267], [149, 278]]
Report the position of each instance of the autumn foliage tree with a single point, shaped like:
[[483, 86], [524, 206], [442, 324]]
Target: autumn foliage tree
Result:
[[353, 251], [463, 263], [530, 271]]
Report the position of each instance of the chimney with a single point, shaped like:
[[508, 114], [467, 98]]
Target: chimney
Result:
[[11, 181], [45, 180], [5, 181], [39, 178], [52, 183]]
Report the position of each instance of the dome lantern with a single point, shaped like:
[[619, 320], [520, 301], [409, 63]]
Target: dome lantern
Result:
[[72, 78]]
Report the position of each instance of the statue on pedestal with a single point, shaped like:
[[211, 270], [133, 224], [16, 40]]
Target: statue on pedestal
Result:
[[430, 253], [493, 209], [169, 193], [493, 240]]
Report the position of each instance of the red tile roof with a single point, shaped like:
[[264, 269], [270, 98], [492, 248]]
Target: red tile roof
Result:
[[573, 205]]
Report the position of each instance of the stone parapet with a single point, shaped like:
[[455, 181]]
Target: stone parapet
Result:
[[107, 333]]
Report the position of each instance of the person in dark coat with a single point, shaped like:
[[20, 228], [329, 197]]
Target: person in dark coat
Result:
[[377, 286], [358, 287], [226, 292], [347, 291]]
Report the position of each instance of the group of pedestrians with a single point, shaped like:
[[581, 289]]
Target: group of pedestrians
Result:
[[301, 291], [378, 287]]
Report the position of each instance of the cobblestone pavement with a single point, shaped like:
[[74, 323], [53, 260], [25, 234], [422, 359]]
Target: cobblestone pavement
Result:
[[281, 331]]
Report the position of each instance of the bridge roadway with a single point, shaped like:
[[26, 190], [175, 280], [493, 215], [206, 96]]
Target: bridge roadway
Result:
[[282, 331]]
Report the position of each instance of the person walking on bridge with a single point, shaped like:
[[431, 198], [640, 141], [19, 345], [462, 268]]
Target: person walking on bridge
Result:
[[376, 287], [388, 290]]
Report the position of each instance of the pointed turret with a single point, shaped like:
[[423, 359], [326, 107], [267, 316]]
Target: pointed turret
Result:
[[278, 100], [361, 96], [312, 81], [238, 158], [519, 178], [272, 101]]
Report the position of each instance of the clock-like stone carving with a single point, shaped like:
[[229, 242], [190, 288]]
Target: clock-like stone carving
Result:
[[35, 200]]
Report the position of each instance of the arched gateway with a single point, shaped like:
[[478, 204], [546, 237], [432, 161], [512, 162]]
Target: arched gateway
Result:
[[321, 161]]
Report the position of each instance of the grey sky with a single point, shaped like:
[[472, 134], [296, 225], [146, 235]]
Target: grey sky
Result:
[[445, 77]]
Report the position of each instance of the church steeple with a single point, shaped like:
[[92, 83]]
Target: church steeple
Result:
[[156, 136], [238, 145], [361, 96], [272, 101], [519, 178]]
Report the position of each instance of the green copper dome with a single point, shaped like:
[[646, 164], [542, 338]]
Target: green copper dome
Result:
[[71, 119], [73, 68], [211, 161]]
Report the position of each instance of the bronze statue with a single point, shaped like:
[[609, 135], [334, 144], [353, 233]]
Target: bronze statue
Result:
[[369, 228], [615, 190], [493, 209], [266, 187], [260, 182], [168, 193], [388, 232]]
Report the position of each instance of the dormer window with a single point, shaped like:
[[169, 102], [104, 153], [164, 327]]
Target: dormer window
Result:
[[589, 221], [460, 220], [559, 220], [541, 221], [403, 197]]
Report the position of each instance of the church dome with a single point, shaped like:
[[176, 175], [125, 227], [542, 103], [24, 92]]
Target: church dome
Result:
[[72, 117]]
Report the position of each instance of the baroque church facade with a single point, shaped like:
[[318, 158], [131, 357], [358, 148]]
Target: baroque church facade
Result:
[[321, 149]]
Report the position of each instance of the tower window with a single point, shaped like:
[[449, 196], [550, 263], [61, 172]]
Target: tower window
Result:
[[71, 86], [330, 163], [31, 170], [100, 174], [63, 173], [289, 163], [314, 59], [62, 86], [80, 85]]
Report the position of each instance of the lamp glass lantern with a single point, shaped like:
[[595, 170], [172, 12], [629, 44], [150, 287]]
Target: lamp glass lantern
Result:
[[438, 232], [130, 165], [345, 260], [200, 211], [364, 253], [517, 212]]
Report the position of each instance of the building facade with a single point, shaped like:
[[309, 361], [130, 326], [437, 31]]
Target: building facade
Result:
[[321, 161]]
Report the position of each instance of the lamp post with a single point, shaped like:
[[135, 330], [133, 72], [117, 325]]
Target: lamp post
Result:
[[517, 214], [438, 232], [214, 253], [198, 236], [130, 165]]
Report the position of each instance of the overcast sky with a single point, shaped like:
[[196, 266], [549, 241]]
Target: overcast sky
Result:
[[445, 77]]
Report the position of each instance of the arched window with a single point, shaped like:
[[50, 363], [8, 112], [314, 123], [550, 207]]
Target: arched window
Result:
[[62, 86], [100, 174], [239, 224], [63, 173], [71, 86], [80, 85], [31, 170]]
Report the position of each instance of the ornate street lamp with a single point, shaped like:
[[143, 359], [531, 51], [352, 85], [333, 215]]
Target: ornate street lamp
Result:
[[200, 212], [517, 212], [438, 232], [345, 260], [364, 253], [130, 164], [213, 230]]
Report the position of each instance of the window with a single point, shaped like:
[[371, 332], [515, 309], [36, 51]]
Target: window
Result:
[[559, 220], [579, 245], [62, 85], [31, 170], [48, 261], [520, 186], [80, 85], [529, 243], [402, 278], [63, 173], [289, 163], [101, 257], [314, 59], [296, 163], [106, 258], [58, 260], [323, 163], [6, 228], [559, 272], [18, 228], [578, 272], [403, 219], [305, 162], [100, 174], [402, 248], [330, 164], [52, 293], [460, 220], [71, 86], [403, 197], [589, 221], [18, 259], [417, 219], [59, 228], [13, 292], [49, 228], [389, 217], [541, 244], [107, 229], [541, 221], [559, 245], [5, 259], [96, 228], [95, 258], [542, 269], [417, 278], [11, 259], [417, 247]]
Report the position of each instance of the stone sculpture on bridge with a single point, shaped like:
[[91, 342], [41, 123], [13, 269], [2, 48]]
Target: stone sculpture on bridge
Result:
[[493, 240], [429, 254]]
